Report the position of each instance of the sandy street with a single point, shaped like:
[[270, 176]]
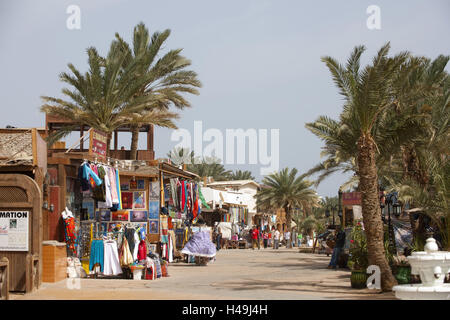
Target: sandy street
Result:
[[236, 274]]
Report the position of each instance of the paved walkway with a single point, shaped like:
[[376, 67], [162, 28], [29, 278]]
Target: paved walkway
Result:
[[236, 274]]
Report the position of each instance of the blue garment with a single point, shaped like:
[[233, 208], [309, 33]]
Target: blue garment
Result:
[[87, 172], [335, 257], [119, 194], [97, 254]]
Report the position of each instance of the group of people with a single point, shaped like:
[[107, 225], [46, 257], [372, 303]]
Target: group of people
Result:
[[272, 238]]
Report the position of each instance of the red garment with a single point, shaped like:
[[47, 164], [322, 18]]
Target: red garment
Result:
[[255, 234], [142, 251], [169, 219], [195, 211], [183, 196]]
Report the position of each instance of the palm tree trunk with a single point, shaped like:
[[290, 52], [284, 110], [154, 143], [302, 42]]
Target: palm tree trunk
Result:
[[134, 141], [448, 231], [288, 218], [371, 210]]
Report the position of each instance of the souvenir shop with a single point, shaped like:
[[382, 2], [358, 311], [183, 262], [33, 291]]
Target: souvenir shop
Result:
[[182, 200], [110, 218], [265, 221], [236, 214]]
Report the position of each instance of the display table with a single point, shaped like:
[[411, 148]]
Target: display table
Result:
[[54, 261]]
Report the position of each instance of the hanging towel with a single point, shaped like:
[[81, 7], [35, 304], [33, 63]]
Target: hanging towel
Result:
[[111, 259], [164, 229], [97, 255], [126, 257], [119, 191]]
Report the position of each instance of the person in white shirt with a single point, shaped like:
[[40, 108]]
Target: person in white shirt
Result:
[[276, 239], [287, 237]]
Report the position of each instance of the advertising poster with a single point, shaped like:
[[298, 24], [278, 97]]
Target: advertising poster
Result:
[[14, 230], [127, 200], [154, 191], [140, 184], [105, 214], [88, 204], [120, 215], [139, 216], [98, 143], [154, 226], [139, 200], [153, 210]]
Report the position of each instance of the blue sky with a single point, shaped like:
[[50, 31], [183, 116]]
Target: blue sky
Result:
[[259, 61]]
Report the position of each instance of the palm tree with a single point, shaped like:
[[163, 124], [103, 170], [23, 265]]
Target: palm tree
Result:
[[104, 97], [167, 77], [379, 133], [181, 156], [368, 96], [288, 191], [209, 167], [242, 175], [431, 160]]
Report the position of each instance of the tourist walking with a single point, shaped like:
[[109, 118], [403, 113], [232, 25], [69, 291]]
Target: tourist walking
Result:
[[255, 236], [269, 241], [294, 237], [265, 238], [340, 242], [276, 239], [287, 237], [299, 239]]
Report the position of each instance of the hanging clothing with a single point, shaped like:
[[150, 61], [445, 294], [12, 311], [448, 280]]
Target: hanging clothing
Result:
[[97, 254], [164, 229], [119, 191], [183, 196], [126, 257], [70, 235], [88, 173], [108, 200], [113, 181], [129, 235], [142, 251], [111, 259], [151, 269], [136, 246]]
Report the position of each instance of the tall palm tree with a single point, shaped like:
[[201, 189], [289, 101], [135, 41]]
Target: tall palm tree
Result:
[[288, 191], [167, 77], [104, 98], [381, 126], [242, 175], [367, 97]]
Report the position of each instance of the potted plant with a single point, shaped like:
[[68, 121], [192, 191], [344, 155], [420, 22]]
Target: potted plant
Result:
[[402, 270], [358, 260]]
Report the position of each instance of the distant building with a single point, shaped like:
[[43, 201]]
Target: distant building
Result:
[[242, 192]]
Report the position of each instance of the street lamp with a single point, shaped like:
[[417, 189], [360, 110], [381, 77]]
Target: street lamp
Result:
[[391, 201], [340, 205], [382, 208]]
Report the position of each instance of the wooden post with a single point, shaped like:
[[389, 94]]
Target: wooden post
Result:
[[4, 279], [116, 138], [81, 140], [343, 217], [62, 192], [150, 132]]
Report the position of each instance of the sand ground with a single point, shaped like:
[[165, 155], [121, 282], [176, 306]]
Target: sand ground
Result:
[[238, 274]]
